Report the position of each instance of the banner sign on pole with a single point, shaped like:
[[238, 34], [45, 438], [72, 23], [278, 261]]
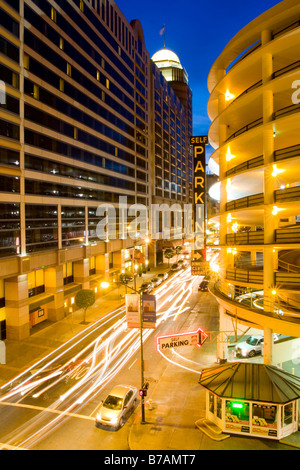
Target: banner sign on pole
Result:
[[132, 310], [149, 311]]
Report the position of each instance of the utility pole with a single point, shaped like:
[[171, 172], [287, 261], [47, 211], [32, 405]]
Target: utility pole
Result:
[[143, 421]]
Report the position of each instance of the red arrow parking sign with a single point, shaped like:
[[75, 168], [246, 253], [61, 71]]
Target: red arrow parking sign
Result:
[[193, 338]]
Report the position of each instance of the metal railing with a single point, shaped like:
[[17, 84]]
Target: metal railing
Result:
[[253, 163], [248, 201], [288, 234], [288, 152], [287, 194], [246, 128], [245, 238], [251, 276], [284, 307]]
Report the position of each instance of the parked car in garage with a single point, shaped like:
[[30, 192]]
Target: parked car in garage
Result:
[[114, 410], [252, 345]]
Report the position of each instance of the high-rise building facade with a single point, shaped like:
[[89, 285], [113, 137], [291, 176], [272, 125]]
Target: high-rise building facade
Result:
[[76, 127], [254, 107], [172, 164]]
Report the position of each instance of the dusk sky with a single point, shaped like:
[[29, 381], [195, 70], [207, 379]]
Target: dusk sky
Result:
[[197, 31]]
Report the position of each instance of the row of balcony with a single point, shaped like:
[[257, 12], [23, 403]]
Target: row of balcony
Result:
[[255, 275], [281, 154], [283, 305], [284, 235], [287, 110], [280, 195]]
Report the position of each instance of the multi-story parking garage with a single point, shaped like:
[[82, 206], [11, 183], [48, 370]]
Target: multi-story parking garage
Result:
[[254, 107]]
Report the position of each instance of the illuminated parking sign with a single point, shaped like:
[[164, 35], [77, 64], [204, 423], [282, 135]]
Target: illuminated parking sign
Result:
[[198, 256], [194, 338]]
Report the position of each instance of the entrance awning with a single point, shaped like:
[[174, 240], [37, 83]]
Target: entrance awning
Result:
[[249, 381]]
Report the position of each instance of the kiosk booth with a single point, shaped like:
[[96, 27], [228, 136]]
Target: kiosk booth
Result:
[[252, 399]]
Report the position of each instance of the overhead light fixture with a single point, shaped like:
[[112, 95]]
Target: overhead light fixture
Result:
[[275, 210], [229, 155], [228, 96], [235, 227], [276, 170]]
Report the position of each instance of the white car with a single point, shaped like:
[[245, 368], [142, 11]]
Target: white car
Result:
[[163, 276], [156, 281], [114, 410], [252, 345]]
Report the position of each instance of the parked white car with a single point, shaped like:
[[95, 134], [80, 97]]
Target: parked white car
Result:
[[163, 276], [251, 346], [114, 410]]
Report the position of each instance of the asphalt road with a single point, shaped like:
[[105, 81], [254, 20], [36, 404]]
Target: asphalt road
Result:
[[54, 405]]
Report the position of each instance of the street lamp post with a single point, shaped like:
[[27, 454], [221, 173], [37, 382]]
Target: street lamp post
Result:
[[142, 362], [143, 421]]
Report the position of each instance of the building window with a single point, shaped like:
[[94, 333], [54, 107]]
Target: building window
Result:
[[26, 61], [69, 70], [53, 15], [61, 44], [81, 5], [36, 92], [61, 85]]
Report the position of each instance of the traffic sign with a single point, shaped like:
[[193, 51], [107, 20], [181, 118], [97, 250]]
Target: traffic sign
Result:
[[194, 338]]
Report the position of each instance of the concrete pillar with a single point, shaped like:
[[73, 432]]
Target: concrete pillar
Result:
[[118, 260], [266, 36], [17, 309], [152, 253], [54, 283], [268, 345], [81, 272], [102, 265]]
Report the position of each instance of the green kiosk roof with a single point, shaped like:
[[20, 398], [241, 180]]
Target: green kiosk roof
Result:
[[249, 381]]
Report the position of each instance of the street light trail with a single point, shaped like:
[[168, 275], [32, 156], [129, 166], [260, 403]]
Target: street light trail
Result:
[[34, 366], [99, 362], [177, 364]]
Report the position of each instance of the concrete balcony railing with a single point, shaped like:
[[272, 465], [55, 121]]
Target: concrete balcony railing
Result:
[[288, 234], [287, 194], [253, 163], [248, 201], [245, 238], [287, 152], [287, 280], [251, 276]]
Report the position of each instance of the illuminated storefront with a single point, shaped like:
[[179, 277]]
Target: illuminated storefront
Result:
[[252, 399]]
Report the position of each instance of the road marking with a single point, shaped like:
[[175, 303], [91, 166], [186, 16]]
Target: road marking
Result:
[[132, 364], [40, 408]]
